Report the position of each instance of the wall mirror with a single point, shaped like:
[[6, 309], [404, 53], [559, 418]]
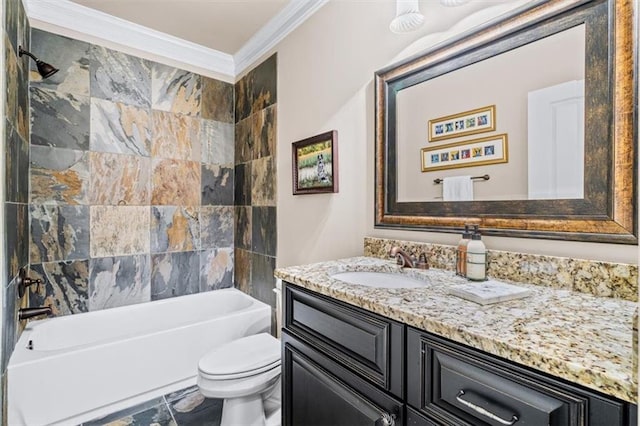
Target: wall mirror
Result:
[[538, 105]]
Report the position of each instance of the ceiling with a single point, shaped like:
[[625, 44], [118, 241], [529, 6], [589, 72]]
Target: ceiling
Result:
[[216, 38], [222, 25]]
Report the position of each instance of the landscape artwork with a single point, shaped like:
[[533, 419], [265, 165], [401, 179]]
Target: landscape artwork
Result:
[[315, 165]]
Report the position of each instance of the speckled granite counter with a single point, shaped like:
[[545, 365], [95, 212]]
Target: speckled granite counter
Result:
[[575, 336]]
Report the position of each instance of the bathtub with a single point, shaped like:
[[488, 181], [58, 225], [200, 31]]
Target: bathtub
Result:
[[88, 365]]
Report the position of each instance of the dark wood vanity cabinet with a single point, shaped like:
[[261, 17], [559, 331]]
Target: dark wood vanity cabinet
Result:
[[341, 365], [345, 366], [319, 391]]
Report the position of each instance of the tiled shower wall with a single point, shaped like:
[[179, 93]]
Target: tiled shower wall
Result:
[[132, 180], [16, 151], [255, 171]]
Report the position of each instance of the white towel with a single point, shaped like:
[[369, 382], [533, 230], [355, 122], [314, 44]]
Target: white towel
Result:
[[457, 188]]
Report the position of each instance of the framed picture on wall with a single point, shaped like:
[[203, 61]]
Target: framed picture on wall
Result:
[[463, 124], [476, 152], [315, 164]]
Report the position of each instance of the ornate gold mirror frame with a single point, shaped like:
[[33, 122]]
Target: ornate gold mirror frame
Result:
[[608, 211]]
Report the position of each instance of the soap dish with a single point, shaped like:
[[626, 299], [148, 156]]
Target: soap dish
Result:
[[488, 292]]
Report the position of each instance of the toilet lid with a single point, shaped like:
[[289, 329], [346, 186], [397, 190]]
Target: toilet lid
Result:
[[243, 357]]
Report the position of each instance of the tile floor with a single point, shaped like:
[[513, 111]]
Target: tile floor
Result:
[[183, 408]]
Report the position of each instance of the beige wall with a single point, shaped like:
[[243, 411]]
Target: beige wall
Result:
[[325, 81], [504, 81]]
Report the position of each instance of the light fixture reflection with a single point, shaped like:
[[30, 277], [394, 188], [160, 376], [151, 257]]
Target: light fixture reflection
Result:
[[408, 17]]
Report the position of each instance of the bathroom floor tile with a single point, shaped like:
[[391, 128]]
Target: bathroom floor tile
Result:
[[186, 407], [154, 412], [190, 408]]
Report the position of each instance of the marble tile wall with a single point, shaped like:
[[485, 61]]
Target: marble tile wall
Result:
[[604, 279], [15, 143], [132, 179], [255, 181]]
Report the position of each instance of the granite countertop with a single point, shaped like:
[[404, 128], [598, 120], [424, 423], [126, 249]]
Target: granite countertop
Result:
[[575, 336]]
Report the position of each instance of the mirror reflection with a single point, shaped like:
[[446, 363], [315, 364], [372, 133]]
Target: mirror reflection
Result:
[[517, 117]]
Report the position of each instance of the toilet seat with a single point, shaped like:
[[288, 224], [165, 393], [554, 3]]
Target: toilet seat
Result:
[[253, 385], [242, 358]]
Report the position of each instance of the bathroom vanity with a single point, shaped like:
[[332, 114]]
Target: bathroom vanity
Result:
[[354, 354]]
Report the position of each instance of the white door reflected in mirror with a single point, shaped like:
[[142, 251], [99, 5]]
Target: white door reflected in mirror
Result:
[[556, 142]]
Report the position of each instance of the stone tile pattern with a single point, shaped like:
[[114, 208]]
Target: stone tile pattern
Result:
[[15, 250], [255, 181], [603, 279], [186, 407], [571, 335], [132, 162]]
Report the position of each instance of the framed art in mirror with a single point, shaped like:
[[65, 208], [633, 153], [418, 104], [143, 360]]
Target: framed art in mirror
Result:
[[605, 126], [476, 152], [462, 124]]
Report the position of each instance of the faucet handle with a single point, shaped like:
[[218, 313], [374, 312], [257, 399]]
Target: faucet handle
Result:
[[23, 281], [422, 262]]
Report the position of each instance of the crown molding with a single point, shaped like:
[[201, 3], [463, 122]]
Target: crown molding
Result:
[[84, 20], [289, 18]]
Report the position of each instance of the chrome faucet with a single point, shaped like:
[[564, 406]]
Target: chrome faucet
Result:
[[402, 257], [26, 313]]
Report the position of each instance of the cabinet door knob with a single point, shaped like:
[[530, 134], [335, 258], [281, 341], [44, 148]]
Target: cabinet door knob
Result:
[[386, 419], [485, 412]]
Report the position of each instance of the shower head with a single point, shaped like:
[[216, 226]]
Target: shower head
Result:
[[44, 69]]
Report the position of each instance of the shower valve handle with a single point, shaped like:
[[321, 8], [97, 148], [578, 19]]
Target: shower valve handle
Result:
[[23, 281]]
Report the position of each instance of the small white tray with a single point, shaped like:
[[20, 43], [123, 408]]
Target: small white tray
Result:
[[488, 292]]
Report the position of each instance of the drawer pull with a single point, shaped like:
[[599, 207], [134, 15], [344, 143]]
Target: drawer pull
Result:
[[484, 412], [386, 419]]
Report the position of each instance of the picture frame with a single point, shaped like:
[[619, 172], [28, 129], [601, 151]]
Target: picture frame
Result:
[[466, 123], [471, 153], [315, 164]]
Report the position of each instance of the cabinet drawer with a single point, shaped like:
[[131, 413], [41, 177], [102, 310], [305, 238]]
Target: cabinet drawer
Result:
[[366, 343], [491, 398], [320, 392], [459, 386]]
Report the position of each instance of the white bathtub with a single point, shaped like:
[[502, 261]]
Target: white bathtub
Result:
[[88, 365]]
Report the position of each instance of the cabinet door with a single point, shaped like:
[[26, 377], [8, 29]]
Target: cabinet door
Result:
[[320, 392], [372, 346], [416, 419]]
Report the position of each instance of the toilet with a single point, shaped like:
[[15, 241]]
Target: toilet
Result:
[[246, 374]]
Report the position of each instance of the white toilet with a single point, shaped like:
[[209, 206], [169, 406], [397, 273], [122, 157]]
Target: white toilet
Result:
[[246, 373]]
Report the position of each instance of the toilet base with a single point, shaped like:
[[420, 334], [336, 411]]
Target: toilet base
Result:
[[274, 419], [247, 411], [262, 409]]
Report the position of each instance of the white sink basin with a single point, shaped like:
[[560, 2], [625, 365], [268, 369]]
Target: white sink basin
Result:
[[379, 279]]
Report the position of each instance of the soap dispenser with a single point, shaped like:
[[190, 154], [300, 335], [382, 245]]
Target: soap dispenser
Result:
[[461, 251], [476, 258]]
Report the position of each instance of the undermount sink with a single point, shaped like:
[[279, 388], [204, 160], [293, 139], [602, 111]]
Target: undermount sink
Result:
[[379, 279]]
